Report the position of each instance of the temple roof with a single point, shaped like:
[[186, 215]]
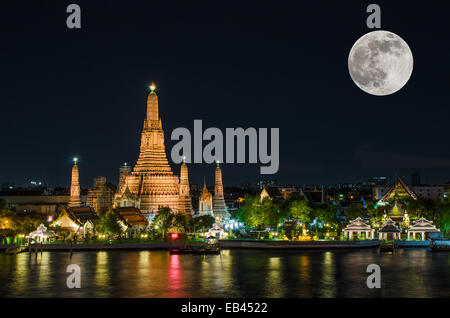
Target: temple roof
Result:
[[396, 209], [132, 216], [399, 189], [273, 192], [389, 227], [79, 215], [206, 195], [423, 225], [358, 224], [83, 213]]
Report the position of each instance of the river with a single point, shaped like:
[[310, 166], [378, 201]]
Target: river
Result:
[[234, 273]]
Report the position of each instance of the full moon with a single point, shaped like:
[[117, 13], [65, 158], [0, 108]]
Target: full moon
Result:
[[380, 63]]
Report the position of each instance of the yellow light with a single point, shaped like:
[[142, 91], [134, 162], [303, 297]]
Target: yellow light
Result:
[[75, 159], [152, 87]]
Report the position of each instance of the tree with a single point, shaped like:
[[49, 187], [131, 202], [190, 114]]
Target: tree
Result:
[[354, 211], [423, 208], [301, 212], [180, 222], [163, 220], [371, 210], [109, 224], [248, 211], [202, 222], [445, 221], [326, 214], [257, 214]]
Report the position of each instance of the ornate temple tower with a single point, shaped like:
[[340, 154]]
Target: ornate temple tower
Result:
[[184, 203], [152, 180], [205, 206], [75, 197], [219, 207], [124, 171]]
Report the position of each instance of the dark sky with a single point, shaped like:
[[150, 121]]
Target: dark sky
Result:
[[230, 63]]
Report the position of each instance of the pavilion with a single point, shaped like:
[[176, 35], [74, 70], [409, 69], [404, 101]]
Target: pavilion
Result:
[[421, 226], [358, 226], [389, 227], [77, 220], [42, 234]]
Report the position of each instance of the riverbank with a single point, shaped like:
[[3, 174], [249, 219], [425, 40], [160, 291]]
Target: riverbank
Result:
[[226, 244], [298, 244]]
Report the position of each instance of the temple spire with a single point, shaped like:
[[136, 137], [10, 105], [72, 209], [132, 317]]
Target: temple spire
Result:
[[185, 205], [152, 104], [75, 197], [205, 189], [219, 208]]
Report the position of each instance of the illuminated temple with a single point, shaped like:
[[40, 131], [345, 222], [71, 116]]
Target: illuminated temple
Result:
[[75, 197], [152, 183], [394, 202]]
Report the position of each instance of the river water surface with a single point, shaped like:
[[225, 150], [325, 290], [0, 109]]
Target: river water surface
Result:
[[234, 273]]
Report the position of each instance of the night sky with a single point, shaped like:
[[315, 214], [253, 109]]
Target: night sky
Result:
[[282, 64]]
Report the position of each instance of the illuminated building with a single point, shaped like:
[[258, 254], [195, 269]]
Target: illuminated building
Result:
[[152, 182], [205, 206], [384, 193], [101, 196], [421, 226], [131, 220], [389, 227], [219, 208], [359, 227], [124, 171], [126, 199], [400, 189], [184, 201], [75, 197], [271, 193], [79, 220]]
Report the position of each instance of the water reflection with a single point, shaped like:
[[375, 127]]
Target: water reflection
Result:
[[101, 276], [328, 282], [274, 286], [234, 273], [175, 277]]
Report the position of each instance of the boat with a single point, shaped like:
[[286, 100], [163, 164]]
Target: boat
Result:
[[440, 245], [212, 250], [15, 250], [387, 247], [193, 249], [180, 250]]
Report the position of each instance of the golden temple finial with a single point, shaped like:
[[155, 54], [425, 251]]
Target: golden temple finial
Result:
[[184, 159], [75, 160], [217, 161], [153, 87]]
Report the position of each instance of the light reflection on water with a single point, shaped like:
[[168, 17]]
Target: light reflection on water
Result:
[[234, 273]]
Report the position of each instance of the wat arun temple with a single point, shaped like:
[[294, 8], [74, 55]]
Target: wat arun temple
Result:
[[151, 184]]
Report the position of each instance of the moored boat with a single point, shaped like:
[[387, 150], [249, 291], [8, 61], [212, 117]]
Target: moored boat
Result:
[[440, 245]]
